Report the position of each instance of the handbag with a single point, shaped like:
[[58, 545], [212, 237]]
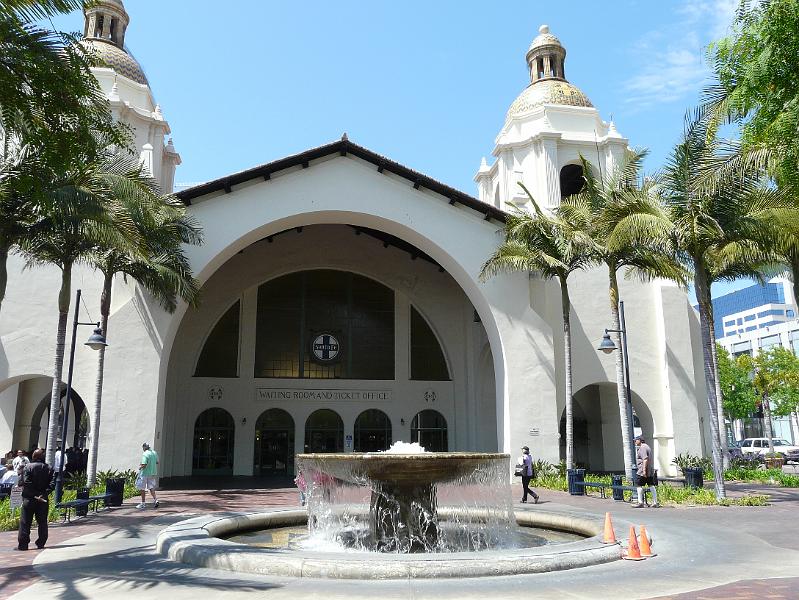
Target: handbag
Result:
[[518, 471], [139, 481]]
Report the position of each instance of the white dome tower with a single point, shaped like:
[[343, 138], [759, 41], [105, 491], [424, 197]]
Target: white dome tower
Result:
[[549, 125], [123, 80]]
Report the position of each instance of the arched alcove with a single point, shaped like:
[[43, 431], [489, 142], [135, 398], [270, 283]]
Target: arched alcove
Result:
[[571, 180]]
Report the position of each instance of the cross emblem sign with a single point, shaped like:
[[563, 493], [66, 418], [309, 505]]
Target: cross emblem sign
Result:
[[325, 347]]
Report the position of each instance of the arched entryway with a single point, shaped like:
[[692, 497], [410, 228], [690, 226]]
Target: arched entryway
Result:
[[274, 443], [214, 433], [429, 430], [324, 432], [597, 428], [372, 431]]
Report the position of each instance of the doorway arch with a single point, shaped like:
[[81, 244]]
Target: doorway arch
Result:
[[372, 431], [429, 430], [214, 434], [274, 443], [324, 431]]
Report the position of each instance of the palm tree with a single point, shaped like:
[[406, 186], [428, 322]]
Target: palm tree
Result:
[[628, 228], [553, 248], [163, 270], [79, 211], [724, 222]]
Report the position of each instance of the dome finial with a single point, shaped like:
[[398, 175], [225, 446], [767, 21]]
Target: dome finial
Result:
[[546, 57]]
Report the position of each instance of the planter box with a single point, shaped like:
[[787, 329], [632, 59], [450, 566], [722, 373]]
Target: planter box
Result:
[[774, 463]]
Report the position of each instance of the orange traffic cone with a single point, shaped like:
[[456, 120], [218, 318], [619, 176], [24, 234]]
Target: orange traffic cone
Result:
[[610, 535], [633, 552], [646, 549]]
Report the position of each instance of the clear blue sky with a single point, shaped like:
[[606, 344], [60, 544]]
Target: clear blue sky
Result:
[[426, 83]]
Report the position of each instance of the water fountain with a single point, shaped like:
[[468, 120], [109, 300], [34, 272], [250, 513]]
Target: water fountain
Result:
[[417, 501], [394, 515]]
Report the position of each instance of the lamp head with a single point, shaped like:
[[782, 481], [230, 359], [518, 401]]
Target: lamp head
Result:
[[96, 340], [606, 345]]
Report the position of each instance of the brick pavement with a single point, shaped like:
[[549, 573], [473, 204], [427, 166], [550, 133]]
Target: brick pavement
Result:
[[17, 572]]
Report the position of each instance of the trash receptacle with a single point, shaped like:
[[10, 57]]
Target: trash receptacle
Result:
[[616, 480], [82, 494], [115, 486], [574, 476], [694, 477]]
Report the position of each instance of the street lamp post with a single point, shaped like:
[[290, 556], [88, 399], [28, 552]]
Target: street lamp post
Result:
[[95, 342], [607, 346]]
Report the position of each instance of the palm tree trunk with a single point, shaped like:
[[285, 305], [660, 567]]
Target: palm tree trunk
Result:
[[94, 438], [3, 273], [794, 265], [629, 459], [725, 455], [55, 395], [567, 359], [705, 315]]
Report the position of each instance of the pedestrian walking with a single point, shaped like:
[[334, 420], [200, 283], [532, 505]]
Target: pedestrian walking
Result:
[[38, 481], [645, 472], [148, 475], [526, 462]]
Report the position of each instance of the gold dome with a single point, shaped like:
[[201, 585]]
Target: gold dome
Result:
[[116, 58], [548, 91]]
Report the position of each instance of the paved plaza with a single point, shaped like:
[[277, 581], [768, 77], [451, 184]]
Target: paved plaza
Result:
[[703, 552]]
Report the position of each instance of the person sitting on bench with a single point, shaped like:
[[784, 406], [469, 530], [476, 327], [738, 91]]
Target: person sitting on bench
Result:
[[645, 473]]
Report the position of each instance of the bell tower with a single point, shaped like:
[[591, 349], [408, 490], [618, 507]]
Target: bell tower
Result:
[[547, 128]]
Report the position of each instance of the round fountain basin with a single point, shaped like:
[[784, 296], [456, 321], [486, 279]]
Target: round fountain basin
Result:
[[200, 542]]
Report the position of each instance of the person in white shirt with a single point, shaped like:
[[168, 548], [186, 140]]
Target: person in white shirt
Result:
[[19, 462], [526, 462], [57, 460]]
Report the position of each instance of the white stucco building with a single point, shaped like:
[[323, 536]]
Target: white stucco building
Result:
[[341, 308]]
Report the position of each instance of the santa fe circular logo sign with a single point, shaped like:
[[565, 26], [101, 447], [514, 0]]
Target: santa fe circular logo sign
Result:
[[325, 347]]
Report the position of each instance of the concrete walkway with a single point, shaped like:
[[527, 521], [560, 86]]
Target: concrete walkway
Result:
[[703, 552]]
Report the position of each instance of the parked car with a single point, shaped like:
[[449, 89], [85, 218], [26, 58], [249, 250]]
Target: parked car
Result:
[[760, 446]]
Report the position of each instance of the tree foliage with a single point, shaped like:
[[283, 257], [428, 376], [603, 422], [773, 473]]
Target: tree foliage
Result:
[[740, 399], [757, 68], [776, 373]]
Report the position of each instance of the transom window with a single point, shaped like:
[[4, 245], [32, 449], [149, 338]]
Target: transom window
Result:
[[325, 324]]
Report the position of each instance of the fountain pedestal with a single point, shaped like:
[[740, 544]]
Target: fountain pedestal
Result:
[[403, 518]]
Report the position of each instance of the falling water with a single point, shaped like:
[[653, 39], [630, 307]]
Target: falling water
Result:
[[407, 500]]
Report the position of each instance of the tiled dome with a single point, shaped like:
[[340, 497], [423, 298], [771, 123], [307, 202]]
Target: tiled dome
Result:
[[116, 58], [548, 91]]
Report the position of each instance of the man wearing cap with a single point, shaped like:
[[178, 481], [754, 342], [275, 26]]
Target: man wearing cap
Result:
[[148, 475], [526, 462], [645, 472]]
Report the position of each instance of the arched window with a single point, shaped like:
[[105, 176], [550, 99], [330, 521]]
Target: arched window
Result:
[[429, 430], [325, 324], [274, 443], [220, 354], [571, 180], [427, 357], [324, 432], [372, 431], [214, 434]]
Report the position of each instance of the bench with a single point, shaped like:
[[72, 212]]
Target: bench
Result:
[[104, 498], [603, 487], [67, 507]]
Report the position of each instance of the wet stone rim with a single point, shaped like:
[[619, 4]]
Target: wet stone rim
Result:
[[196, 542]]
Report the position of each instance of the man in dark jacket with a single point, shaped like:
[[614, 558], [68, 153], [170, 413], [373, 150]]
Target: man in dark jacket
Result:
[[38, 480]]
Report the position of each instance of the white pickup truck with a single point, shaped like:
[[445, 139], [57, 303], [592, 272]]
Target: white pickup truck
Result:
[[760, 446]]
